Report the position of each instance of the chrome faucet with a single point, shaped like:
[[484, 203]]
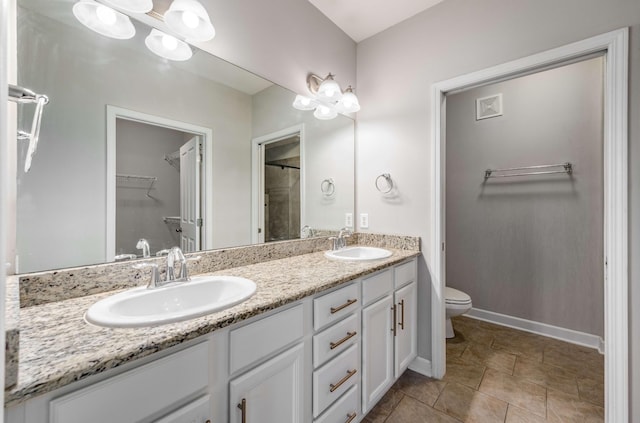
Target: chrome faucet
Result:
[[143, 245], [340, 241], [175, 254]]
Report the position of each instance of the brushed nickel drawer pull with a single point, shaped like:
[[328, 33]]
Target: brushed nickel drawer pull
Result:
[[345, 305], [350, 373], [243, 407], [334, 345], [402, 314], [350, 417]]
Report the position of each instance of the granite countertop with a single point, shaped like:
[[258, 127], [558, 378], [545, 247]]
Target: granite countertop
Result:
[[58, 347]]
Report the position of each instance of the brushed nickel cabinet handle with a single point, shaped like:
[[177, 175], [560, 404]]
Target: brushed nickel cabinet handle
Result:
[[350, 373], [243, 407], [350, 417], [395, 319], [334, 345], [402, 314], [345, 305]]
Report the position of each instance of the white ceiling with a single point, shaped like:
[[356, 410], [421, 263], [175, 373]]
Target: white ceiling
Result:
[[361, 19]]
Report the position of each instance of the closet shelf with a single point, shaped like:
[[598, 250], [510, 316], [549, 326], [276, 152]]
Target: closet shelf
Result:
[[122, 178]]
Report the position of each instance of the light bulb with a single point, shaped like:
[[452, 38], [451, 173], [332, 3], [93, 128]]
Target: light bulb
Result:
[[106, 15], [305, 101], [329, 92], [190, 19], [324, 110], [347, 103], [169, 42]]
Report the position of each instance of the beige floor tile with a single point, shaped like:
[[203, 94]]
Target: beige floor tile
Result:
[[546, 375], [514, 390], [385, 406], [469, 331], [463, 372], [523, 344], [564, 408], [591, 390], [422, 388], [575, 358], [489, 357], [413, 411], [520, 415], [456, 346], [469, 405]]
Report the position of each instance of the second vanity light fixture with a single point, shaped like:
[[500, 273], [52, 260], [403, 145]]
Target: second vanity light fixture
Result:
[[328, 100], [188, 19]]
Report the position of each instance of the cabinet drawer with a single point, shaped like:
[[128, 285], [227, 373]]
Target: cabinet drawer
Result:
[[377, 286], [198, 411], [406, 273], [334, 306], [345, 410], [138, 393], [335, 339], [335, 378], [257, 340]]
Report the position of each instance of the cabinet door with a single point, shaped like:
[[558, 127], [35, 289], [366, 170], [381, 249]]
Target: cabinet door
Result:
[[377, 351], [406, 328], [272, 392]]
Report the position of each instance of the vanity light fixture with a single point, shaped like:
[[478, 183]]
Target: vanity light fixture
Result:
[[189, 19], [104, 20], [329, 99], [167, 46], [131, 6]]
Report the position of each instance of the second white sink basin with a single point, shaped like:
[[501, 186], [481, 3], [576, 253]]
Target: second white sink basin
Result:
[[358, 254], [140, 307]]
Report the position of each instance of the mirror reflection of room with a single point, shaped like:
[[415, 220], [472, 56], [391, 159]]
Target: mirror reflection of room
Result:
[[84, 74]]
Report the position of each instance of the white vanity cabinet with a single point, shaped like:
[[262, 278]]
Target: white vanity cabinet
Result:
[[143, 394], [389, 329], [336, 355], [272, 391]]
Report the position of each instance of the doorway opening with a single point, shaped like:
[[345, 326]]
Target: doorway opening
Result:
[[158, 170], [614, 46], [278, 181]]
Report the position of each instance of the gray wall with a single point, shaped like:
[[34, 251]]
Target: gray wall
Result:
[[395, 72], [140, 150], [529, 247], [54, 202]]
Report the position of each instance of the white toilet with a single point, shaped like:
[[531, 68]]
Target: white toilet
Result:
[[456, 303]]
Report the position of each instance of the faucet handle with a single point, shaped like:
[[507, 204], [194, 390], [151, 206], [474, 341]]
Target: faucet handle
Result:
[[155, 274], [184, 272], [164, 252]]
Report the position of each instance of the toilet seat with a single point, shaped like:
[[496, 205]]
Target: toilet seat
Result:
[[455, 297]]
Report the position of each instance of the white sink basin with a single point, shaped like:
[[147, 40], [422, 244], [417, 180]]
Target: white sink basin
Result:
[[358, 254], [140, 307]]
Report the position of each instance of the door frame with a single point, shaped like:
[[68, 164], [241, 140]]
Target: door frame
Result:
[[257, 177], [615, 46], [114, 113]]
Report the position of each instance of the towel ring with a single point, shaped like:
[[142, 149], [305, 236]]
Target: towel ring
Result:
[[389, 181], [327, 187]]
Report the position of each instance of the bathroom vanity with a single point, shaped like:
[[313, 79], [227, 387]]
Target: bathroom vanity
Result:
[[320, 341]]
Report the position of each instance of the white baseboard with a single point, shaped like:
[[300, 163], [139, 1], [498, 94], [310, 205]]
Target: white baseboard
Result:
[[422, 366], [568, 335]]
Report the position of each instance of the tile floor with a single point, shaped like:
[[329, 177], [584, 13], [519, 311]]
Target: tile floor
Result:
[[499, 374]]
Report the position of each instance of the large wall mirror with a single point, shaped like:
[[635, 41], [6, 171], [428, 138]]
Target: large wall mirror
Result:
[[198, 153]]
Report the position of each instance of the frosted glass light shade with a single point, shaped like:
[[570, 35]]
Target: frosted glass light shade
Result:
[[349, 102], [167, 46], [104, 20], [190, 19], [304, 103], [325, 112], [131, 6], [329, 90]]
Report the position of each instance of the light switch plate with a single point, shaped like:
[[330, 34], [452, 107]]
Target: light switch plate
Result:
[[348, 220], [364, 220]]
